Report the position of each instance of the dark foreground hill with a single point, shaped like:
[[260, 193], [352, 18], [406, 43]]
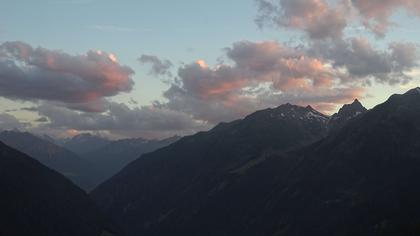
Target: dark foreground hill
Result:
[[36, 200], [244, 178], [51, 155]]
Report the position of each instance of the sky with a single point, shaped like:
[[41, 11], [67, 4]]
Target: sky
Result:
[[159, 68]]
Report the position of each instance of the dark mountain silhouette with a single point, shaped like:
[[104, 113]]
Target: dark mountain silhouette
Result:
[[347, 112], [38, 201], [360, 180], [112, 157], [51, 155], [184, 175]]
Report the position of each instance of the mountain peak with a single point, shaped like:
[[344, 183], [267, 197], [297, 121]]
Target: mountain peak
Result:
[[356, 101], [293, 107], [346, 112], [354, 107], [414, 91]]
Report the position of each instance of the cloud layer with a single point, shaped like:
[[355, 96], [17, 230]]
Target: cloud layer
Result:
[[120, 120], [262, 74], [361, 62]]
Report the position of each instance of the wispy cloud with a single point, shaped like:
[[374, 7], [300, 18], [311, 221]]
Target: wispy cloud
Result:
[[75, 2], [115, 29]]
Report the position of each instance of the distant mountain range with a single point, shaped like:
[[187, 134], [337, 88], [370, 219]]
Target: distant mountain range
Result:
[[85, 159], [84, 143], [284, 171], [36, 200]]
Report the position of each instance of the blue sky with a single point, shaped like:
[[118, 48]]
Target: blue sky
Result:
[[182, 31]]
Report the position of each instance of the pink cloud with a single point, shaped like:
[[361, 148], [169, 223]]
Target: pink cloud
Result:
[[259, 75], [324, 19], [376, 13], [28, 73], [318, 18]]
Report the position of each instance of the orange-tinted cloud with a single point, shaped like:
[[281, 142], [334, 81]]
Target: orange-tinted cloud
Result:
[[261, 75]]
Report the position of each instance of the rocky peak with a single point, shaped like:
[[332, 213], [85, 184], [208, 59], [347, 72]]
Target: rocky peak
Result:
[[352, 109], [289, 111], [346, 113]]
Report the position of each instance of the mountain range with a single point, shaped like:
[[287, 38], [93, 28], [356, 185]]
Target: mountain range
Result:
[[283, 171], [82, 144], [289, 170], [87, 160]]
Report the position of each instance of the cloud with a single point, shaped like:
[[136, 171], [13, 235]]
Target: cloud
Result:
[[316, 17], [363, 62], [79, 81], [76, 2], [262, 74], [158, 67], [112, 28], [120, 119], [323, 19], [376, 13]]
